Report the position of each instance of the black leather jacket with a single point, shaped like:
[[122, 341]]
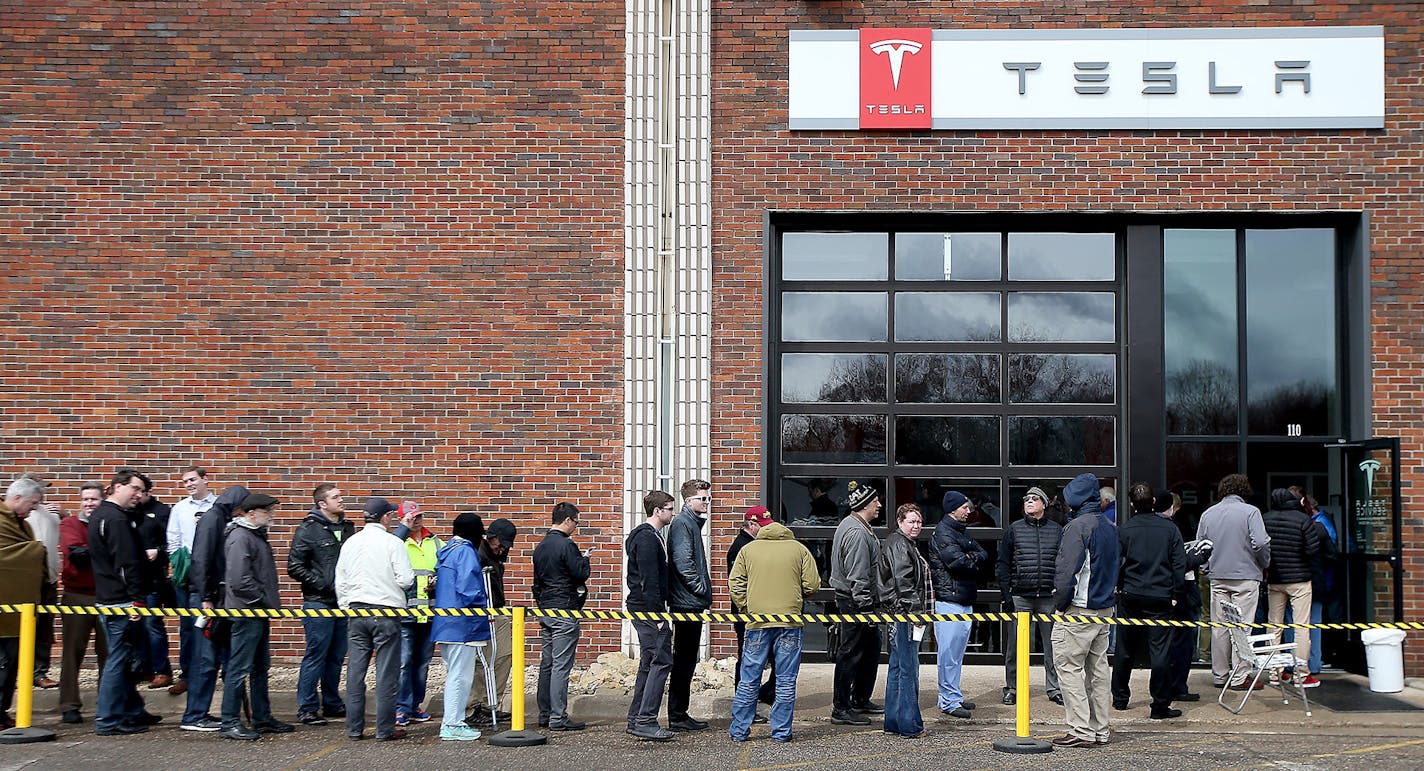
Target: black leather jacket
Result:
[[955, 558], [1028, 557], [904, 576], [689, 581], [312, 558], [560, 573]]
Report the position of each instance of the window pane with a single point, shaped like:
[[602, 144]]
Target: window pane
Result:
[[1290, 332], [832, 377], [1055, 509], [1067, 378], [818, 501], [1067, 317], [947, 316], [948, 256], [834, 316], [1062, 441], [833, 438], [1193, 470], [928, 494], [953, 378], [1062, 257], [1199, 330], [947, 441], [835, 256]]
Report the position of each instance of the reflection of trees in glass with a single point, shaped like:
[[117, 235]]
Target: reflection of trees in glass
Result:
[[855, 379], [1061, 441], [1061, 379], [833, 438], [946, 378], [1306, 403], [947, 441], [1201, 399]]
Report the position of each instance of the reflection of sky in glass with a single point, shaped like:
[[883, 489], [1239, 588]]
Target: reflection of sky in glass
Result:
[[947, 316], [1062, 257], [833, 438], [832, 377], [1290, 308], [1075, 317], [1063, 378], [973, 256], [1199, 298], [835, 256], [834, 316]]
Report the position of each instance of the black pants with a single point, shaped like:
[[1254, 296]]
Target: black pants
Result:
[[686, 638], [1133, 641], [856, 661], [1182, 650], [767, 693]]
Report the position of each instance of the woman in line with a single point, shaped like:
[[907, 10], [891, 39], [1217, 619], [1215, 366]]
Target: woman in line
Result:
[[904, 588]]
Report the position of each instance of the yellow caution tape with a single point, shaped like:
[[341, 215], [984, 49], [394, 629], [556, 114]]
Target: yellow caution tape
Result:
[[426, 613]]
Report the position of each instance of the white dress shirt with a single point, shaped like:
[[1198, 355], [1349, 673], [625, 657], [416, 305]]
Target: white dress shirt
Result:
[[183, 521], [373, 569]]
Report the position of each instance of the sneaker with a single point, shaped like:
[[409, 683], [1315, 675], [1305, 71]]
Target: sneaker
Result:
[[273, 726], [959, 712], [849, 717], [419, 716], [759, 718], [1057, 698], [1308, 681], [310, 718], [1245, 685], [122, 729], [652, 733], [239, 732], [1069, 740], [571, 725], [1010, 698], [402, 720], [458, 733], [968, 705], [203, 724]]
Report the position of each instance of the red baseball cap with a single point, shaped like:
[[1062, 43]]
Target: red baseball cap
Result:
[[759, 515]]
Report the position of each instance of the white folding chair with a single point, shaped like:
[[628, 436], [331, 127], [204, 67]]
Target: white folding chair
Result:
[[1259, 653]]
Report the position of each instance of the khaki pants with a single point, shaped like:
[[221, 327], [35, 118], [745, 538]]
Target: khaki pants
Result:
[[1080, 651], [1299, 597], [501, 629], [1243, 594]]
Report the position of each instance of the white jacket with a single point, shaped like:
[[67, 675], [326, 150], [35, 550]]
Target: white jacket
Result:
[[373, 569]]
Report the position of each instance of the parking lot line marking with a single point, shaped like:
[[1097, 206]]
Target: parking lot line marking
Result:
[[1327, 755], [824, 761], [319, 754]]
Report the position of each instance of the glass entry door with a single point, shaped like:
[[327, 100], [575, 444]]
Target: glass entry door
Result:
[[1370, 543]]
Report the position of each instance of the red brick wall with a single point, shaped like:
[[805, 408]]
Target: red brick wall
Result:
[[761, 166], [373, 243]]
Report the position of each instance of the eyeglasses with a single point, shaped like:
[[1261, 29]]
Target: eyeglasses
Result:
[[668, 507], [700, 498], [1032, 498]]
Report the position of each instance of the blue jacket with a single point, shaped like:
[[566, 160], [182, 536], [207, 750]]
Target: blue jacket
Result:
[[1089, 541], [459, 583]]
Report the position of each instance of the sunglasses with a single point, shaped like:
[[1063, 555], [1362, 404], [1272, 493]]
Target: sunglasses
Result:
[[700, 498]]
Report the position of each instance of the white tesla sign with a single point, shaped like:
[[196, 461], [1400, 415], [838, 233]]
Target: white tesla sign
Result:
[[1257, 78]]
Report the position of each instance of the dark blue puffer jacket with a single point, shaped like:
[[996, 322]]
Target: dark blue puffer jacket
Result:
[[1089, 538]]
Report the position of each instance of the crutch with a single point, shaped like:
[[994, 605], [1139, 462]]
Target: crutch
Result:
[[491, 695]]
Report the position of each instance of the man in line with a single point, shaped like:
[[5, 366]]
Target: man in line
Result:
[[757, 517], [153, 532], [373, 572], [206, 574], [417, 647], [251, 578], [560, 574], [855, 555], [955, 559], [312, 563], [1151, 577], [1240, 552], [182, 525], [689, 591], [1295, 560], [77, 573], [647, 593], [1028, 554], [493, 555], [22, 566], [121, 580], [1083, 585], [772, 575], [44, 521]]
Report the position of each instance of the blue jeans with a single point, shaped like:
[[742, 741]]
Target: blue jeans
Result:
[[186, 630], [558, 638], [416, 650], [157, 639], [248, 664], [1317, 615], [202, 672], [459, 676], [902, 684], [953, 638], [322, 662], [783, 644], [118, 701]]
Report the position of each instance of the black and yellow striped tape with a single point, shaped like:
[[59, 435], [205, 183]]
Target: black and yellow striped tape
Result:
[[620, 615]]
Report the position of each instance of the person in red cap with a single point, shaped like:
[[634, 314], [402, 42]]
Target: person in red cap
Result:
[[757, 516]]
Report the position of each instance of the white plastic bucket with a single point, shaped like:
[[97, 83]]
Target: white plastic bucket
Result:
[[1384, 654]]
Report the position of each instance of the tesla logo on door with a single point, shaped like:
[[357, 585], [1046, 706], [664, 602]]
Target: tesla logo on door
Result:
[[1369, 466], [895, 78]]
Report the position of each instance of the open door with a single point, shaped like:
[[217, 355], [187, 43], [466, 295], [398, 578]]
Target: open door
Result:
[[1370, 541]]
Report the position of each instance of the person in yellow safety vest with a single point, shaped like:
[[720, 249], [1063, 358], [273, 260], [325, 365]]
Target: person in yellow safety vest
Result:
[[416, 645]]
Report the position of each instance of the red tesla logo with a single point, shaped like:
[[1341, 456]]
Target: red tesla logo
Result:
[[895, 78]]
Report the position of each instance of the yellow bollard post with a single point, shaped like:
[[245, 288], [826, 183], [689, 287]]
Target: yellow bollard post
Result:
[[23, 732], [516, 736], [1022, 743]]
